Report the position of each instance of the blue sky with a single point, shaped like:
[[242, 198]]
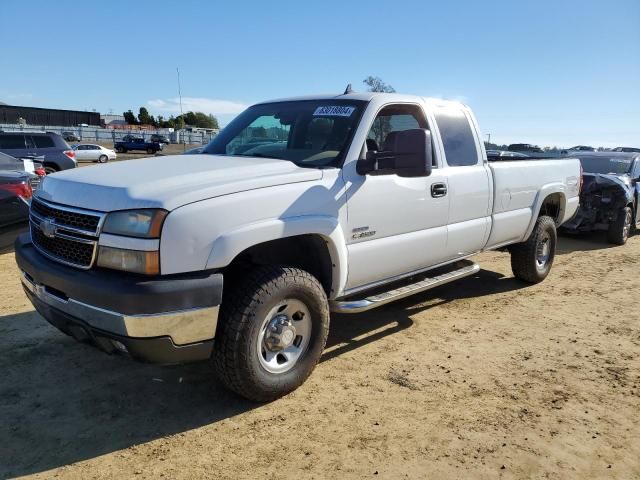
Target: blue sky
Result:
[[557, 72]]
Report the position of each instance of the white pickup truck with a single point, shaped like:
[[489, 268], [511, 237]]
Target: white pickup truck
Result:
[[303, 206]]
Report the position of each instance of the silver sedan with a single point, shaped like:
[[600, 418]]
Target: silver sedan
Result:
[[88, 152]]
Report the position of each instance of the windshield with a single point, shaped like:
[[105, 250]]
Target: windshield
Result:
[[615, 166], [308, 133]]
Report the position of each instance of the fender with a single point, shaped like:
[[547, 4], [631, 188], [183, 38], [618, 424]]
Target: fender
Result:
[[543, 193], [231, 243]]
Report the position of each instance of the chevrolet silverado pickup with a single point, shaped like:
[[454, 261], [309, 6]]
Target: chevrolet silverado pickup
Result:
[[239, 254], [130, 142]]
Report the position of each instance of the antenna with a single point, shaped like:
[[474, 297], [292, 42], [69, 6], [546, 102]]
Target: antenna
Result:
[[184, 145], [348, 90]]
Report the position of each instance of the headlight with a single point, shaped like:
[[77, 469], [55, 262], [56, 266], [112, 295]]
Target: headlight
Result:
[[136, 261], [145, 223], [135, 223]]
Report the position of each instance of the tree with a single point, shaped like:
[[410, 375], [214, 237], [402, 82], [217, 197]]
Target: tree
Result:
[[143, 116], [130, 118], [214, 122], [259, 132], [179, 123], [376, 84], [200, 120], [381, 125]]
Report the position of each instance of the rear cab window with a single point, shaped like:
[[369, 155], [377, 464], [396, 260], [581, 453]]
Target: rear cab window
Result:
[[458, 138]]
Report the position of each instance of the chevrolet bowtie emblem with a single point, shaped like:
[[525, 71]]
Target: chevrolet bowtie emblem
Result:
[[48, 227]]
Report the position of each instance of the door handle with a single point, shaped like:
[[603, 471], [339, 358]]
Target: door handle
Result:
[[438, 190]]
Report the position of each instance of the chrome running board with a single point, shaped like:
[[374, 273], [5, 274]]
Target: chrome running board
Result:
[[460, 270]]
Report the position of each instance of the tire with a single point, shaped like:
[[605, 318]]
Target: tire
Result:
[[120, 150], [244, 358], [532, 259], [620, 228], [151, 151], [49, 169], [103, 159]]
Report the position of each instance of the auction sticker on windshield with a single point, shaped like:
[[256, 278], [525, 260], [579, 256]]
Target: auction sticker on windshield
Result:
[[334, 111]]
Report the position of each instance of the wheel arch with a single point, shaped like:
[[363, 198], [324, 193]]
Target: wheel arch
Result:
[[551, 201], [52, 165], [315, 244]]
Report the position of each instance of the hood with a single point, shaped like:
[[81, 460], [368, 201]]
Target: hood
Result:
[[167, 182], [597, 181]]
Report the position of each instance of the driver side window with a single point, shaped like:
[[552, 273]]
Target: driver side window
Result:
[[392, 119]]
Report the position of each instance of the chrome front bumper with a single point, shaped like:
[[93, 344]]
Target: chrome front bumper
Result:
[[183, 326]]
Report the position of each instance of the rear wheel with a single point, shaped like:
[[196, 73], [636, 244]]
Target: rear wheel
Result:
[[151, 151], [620, 228], [103, 159], [49, 169], [272, 330], [531, 260]]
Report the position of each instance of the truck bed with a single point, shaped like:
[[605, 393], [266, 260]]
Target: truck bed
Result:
[[517, 192]]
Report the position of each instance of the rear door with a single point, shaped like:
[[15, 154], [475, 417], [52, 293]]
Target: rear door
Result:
[[42, 144], [81, 152], [469, 183], [93, 152]]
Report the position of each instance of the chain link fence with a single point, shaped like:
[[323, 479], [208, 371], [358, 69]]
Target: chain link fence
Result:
[[97, 134]]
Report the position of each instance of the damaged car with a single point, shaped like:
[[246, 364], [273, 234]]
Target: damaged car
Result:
[[609, 195]]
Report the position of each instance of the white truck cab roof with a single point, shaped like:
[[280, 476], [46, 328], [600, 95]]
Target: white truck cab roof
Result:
[[369, 96]]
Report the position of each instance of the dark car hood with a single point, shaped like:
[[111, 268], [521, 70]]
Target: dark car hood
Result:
[[596, 181]]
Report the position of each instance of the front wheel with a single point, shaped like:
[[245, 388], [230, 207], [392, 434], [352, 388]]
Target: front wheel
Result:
[[272, 330], [620, 228], [151, 151], [531, 260]]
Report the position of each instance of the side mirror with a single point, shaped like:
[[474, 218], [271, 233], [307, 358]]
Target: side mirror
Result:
[[408, 154]]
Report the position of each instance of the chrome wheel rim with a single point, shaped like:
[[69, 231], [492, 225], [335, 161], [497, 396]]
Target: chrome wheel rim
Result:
[[626, 229], [543, 251], [284, 336]]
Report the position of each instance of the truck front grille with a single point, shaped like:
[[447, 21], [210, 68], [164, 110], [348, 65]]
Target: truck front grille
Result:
[[65, 217], [68, 251], [65, 234]]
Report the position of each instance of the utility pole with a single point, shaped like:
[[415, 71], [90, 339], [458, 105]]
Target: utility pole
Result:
[[184, 145], [488, 138]]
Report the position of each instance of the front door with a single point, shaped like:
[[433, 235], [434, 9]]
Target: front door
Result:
[[81, 152], [395, 225]]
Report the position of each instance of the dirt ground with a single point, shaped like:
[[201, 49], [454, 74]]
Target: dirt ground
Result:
[[485, 378]]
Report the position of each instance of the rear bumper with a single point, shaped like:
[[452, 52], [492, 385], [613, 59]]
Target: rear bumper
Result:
[[169, 319]]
